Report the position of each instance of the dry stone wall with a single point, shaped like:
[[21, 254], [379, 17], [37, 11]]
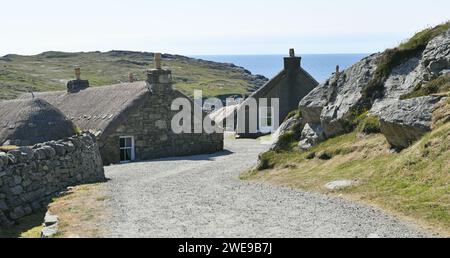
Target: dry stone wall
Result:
[[30, 176]]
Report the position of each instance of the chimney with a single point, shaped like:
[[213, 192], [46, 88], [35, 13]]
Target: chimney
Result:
[[131, 77], [159, 79], [292, 63], [157, 59], [77, 84], [77, 73]]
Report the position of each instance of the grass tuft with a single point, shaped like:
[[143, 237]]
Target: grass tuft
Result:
[[438, 85]]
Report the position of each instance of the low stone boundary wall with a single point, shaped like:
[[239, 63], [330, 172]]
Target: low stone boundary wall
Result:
[[30, 176]]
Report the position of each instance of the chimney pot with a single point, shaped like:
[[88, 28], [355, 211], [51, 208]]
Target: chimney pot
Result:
[[77, 84], [131, 77], [157, 60], [77, 73], [291, 52]]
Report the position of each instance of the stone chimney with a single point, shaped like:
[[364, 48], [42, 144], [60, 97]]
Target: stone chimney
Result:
[[78, 84], [130, 77], [292, 63], [159, 79]]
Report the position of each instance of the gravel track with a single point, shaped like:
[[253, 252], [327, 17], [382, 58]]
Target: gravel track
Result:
[[201, 196]]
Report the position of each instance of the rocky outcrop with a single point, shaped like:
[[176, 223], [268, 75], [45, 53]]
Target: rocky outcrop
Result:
[[330, 103], [332, 106], [436, 57], [405, 121], [30, 176], [420, 69]]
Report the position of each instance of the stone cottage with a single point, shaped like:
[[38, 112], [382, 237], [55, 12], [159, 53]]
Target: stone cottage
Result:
[[132, 121], [288, 87]]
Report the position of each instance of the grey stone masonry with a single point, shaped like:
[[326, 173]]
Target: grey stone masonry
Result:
[[31, 176]]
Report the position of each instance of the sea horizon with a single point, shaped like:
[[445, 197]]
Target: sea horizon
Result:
[[320, 66]]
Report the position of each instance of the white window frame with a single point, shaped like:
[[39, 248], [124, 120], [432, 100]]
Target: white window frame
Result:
[[263, 117], [133, 149]]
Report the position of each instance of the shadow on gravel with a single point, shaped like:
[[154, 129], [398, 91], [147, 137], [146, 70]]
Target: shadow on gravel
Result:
[[207, 157]]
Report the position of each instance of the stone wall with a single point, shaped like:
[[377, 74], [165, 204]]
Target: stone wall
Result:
[[150, 125], [30, 176]]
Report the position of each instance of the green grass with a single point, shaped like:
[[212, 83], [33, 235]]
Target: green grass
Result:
[[51, 70], [368, 124], [413, 183], [438, 85], [27, 227]]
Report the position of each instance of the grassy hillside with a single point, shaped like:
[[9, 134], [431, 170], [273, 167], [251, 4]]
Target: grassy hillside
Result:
[[50, 71], [414, 183]]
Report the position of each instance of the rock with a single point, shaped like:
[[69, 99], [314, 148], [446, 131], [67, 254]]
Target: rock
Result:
[[405, 121], [50, 219], [311, 136], [16, 190], [17, 213], [340, 184], [332, 103], [3, 206], [292, 124], [311, 155], [3, 159], [48, 232], [324, 155], [4, 221], [436, 56]]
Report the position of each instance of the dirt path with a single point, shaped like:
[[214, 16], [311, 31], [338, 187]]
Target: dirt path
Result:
[[202, 196]]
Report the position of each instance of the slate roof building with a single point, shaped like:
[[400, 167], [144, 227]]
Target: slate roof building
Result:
[[132, 121], [289, 86], [31, 121]]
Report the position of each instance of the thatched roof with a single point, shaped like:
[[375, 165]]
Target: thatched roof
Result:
[[31, 121], [95, 108]]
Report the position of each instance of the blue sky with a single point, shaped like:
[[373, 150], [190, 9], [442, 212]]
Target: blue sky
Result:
[[214, 27]]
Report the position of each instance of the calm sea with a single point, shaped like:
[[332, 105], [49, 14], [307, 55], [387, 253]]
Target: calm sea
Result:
[[319, 66]]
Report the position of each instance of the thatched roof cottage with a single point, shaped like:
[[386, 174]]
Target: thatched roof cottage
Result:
[[131, 120], [31, 121]]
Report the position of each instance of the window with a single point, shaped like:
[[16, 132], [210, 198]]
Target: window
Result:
[[126, 149], [265, 119]]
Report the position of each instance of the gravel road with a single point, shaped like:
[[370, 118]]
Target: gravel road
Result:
[[201, 196]]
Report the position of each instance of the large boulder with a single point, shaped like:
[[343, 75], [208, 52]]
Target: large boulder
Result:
[[333, 104], [330, 103], [405, 121]]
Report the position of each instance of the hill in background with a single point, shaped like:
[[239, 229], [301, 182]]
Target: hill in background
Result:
[[50, 71]]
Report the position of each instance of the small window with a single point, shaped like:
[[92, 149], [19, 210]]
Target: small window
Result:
[[127, 153], [265, 119]]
